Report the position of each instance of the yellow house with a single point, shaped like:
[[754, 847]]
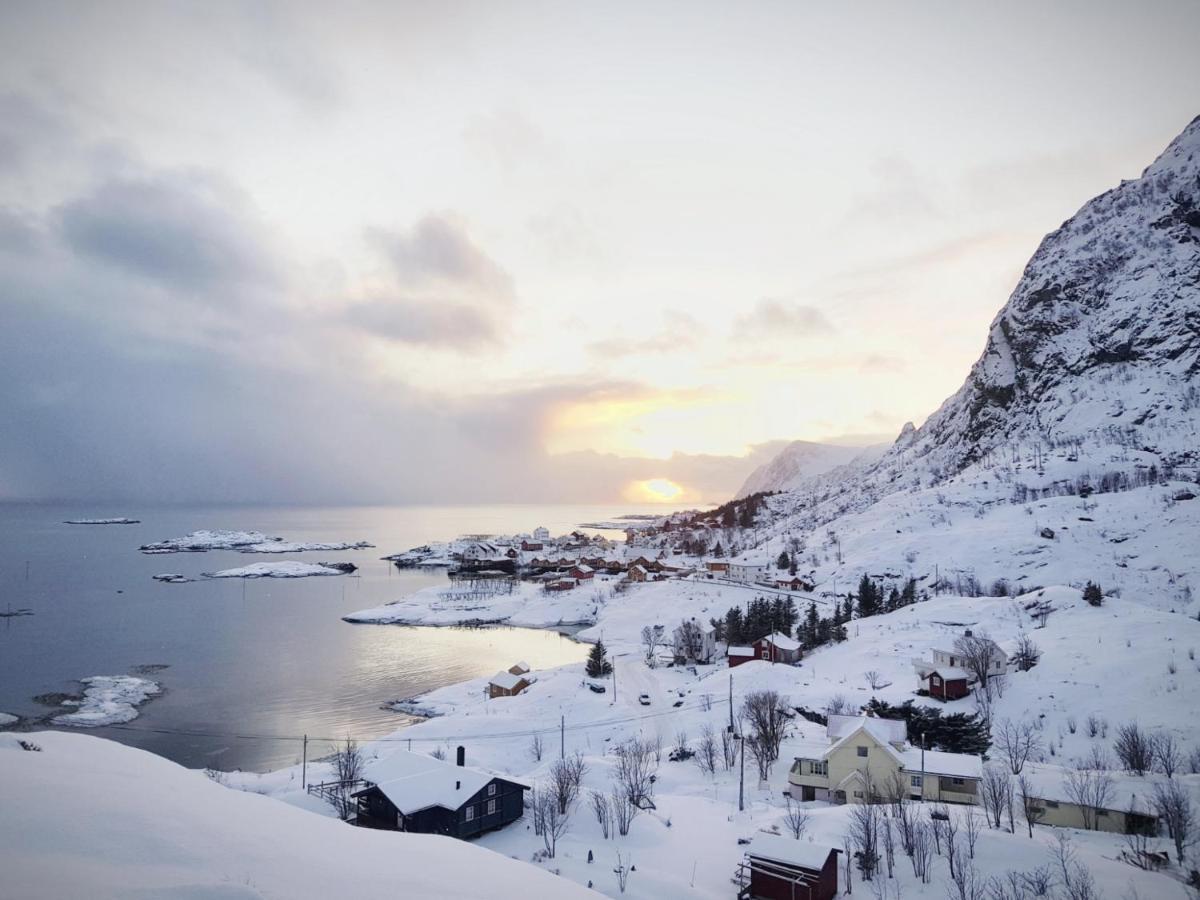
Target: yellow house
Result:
[[869, 759], [1124, 805]]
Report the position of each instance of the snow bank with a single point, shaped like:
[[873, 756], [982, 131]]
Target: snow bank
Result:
[[244, 542], [108, 700], [281, 569], [171, 578], [8, 719], [141, 826], [527, 605]]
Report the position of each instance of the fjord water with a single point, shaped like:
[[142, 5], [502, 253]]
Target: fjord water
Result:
[[252, 662]]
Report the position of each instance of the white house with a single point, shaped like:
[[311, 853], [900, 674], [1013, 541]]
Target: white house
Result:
[[952, 667], [748, 572], [705, 642], [541, 533]]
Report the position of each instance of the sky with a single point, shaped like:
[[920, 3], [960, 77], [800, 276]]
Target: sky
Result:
[[502, 252]]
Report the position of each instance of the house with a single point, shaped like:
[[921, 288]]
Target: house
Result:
[[739, 655], [792, 583], [650, 565], [508, 684], [638, 573], [782, 868], [777, 648], [748, 573], [694, 641], [1127, 809], [519, 668], [951, 666], [532, 546], [582, 572], [481, 550], [561, 584], [541, 534], [869, 759], [413, 792]]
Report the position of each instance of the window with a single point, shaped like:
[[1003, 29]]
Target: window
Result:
[[492, 790], [820, 767], [491, 807], [956, 781], [1102, 813], [915, 780], [766, 654], [1051, 804], [858, 794], [862, 751], [470, 813]]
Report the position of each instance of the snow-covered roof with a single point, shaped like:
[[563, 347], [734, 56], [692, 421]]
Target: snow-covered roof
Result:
[[520, 664], [887, 730], [741, 651], [506, 680], [950, 673], [782, 641], [583, 568], [937, 762], [879, 734], [1129, 793], [414, 781], [789, 851]]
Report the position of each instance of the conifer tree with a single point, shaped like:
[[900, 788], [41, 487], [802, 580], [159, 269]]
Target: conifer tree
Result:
[[598, 664], [783, 561]]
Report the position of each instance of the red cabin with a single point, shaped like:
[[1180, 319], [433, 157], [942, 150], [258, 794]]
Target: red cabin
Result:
[[777, 867], [949, 683]]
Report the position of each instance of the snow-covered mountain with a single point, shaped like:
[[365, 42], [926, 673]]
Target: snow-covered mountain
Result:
[[801, 460]]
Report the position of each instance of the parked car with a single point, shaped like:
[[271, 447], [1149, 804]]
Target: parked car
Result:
[[596, 688], [644, 699]]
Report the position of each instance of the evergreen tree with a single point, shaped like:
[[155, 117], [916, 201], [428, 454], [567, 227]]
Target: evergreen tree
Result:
[[783, 561], [810, 631], [868, 598], [718, 551], [735, 628], [790, 615], [1093, 595], [893, 601], [597, 664], [909, 594]]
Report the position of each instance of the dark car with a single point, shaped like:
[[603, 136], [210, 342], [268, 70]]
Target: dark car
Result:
[[597, 688]]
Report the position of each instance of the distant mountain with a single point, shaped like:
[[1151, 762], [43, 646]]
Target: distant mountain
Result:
[[801, 460]]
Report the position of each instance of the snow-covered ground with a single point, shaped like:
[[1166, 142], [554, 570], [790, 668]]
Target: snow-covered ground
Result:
[[244, 542], [527, 605], [8, 719], [280, 569], [108, 700], [140, 826]]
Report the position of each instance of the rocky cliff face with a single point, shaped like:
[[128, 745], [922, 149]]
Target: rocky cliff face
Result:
[[1100, 341], [801, 460]]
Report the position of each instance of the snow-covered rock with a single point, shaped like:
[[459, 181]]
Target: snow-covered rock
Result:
[[281, 569], [118, 521], [7, 719], [244, 542], [801, 460], [108, 700], [171, 578]]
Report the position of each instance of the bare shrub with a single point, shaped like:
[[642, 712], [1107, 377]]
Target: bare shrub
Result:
[[1077, 882], [536, 747], [549, 820], [1134, 749], [624, 811], [874, 680], [864, 834], [1167, 754], [838, 705], [764, 712], [566, 778], [1031, 805], [1018, 741], [995, 793], [1174, 807], [729, 749], [796, 819], [347, 766], [602, 809], [706, 750], [1027, 654], [635, 771]]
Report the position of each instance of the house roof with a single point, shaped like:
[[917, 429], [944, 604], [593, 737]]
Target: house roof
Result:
[[414, 781], [506, 680], [937, 762], [585, 569], [951, 673], [886, 730], [789, 851], [638, 569], [782, 641], [520, 664], [879, 734], [1129, 793]]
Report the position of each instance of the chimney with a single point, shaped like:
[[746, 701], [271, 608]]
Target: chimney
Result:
[[462, 755], [457, 785]]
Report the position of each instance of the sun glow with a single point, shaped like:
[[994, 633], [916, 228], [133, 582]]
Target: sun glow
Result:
[[654, 490]]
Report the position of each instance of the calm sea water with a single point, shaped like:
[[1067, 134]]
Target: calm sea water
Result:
[[248, 661]]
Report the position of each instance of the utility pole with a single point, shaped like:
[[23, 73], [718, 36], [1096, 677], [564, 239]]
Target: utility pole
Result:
[[614, 665], [562, 737], [922, 765], [304, 768], [731, 703], [742, 776]]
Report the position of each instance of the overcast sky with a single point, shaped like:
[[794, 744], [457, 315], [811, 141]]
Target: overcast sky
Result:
[[398, 252]]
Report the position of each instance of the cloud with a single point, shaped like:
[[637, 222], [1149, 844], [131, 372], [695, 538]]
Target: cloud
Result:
[[680, 331], [450, 325], [781, 318], [187, 230], [508, 137], [437, 252]]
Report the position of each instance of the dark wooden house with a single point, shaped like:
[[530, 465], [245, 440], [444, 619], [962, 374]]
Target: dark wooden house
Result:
[[783, 868], [414, 792], [948, 683]]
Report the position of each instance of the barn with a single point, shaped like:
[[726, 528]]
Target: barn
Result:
[[417, 793], [783, 868]]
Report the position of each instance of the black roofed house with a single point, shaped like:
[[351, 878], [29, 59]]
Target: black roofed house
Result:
[[417, 793]]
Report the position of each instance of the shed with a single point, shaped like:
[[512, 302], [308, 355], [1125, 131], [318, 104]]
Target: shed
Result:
[[507, 684], [739, 655], [783, 868], [949, 683]]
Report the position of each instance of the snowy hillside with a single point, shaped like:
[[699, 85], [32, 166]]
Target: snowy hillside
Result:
[[139, 826], [801, 460]]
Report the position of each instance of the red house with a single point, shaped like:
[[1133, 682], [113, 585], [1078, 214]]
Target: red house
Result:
[[581, 572], [783, 868], [739, 655], [777, 648], [531, 545], [949, 683]]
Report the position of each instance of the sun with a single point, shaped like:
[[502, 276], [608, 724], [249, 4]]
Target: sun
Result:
[[655, 490]]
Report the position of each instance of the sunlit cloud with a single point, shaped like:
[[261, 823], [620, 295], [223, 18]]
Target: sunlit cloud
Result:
[[654, 490]]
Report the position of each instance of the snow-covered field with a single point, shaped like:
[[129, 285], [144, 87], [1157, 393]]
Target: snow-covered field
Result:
[[108, 700], [528, 605], [244, 542], [101, 820], [281, 569]]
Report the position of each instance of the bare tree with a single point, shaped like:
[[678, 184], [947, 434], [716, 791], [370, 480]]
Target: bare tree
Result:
[[1091, 792], [796, 819], [622, 870], [952, 849], [1077, 882], [761, 754], [652, 636], [838, 705], [764, 712], [1027, 655], [1018, 741], [937, 826], [864, 833], [689, 641], [706, 750], [536, 747], [635, 771], [554, 820], [566, 778], [1175, 809], [995, 792], [874, 680], [347, 766], [965, 884], [1134, 749], [1168, 755], [729, 749], [888, 833], [922, 851], [624, 811], [977, 652], [602, 807], [971, 830], [1031, 806]]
